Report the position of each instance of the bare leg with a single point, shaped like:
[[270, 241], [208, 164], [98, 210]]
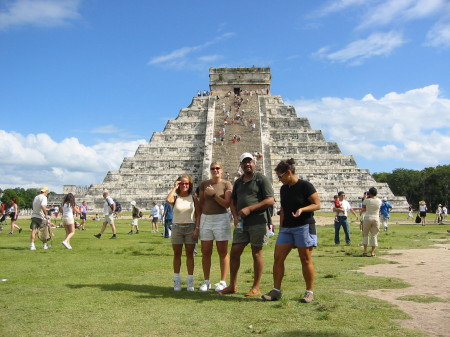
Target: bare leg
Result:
[[206, 258], [224, 258], [279, 255], [258, 265], [307, 266], [235, 262], [177, 251], [70, 231], [190, 258]]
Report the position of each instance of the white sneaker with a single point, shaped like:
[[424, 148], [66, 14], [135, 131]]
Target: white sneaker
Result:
[[32, 247], [66, 244], [205, 286], [177, 284], [220, 286], [190, 283], [45, 246], [271, 234]]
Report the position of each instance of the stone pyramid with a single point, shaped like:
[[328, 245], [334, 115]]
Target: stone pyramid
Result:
[[238, 115]]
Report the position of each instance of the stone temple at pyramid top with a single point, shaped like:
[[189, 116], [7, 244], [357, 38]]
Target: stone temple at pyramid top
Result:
[[238, 115]]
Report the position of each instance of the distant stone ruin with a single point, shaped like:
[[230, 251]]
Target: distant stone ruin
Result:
[[238, 115]]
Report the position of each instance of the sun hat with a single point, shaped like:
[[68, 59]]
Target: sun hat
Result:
[[44, 189], [245, 155]]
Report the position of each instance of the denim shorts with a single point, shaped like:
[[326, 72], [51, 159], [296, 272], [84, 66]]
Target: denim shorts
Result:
[[299, 237]]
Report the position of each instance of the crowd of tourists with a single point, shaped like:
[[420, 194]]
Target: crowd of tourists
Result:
[[203, 214]]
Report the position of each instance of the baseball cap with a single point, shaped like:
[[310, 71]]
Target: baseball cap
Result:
[[133, 203], [245, 155], [44, 189], [384, 199]]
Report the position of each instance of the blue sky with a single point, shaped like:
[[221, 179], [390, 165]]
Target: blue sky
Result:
[[83, 83]]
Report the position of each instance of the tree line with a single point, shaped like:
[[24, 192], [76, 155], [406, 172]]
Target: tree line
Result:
[[24, 196], [430, 184]]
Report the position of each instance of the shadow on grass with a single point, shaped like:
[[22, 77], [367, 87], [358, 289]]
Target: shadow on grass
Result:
[[151, 291], [16, 248], [307, 333]]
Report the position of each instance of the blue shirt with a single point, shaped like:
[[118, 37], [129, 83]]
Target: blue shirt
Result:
[[385, 208], [168, 211]]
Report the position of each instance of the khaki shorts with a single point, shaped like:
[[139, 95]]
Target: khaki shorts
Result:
[[134, 222], [67, 221], [182, 234], [36, 223], [215, 227], [109, 219], [256, 235]]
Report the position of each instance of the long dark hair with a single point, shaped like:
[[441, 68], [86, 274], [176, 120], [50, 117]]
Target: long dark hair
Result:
[[69, 199], [286, 165]]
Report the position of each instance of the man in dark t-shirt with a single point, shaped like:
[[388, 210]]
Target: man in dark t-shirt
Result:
[[252, 195]]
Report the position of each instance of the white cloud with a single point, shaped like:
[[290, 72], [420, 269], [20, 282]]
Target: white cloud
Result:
[[334, 6], [439, 35], [179, 57], [36, 159], [46, 13], [395, 11], [356, 52], [413, 126]]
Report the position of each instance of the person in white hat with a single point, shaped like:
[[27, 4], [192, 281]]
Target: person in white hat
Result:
[[135, 215]]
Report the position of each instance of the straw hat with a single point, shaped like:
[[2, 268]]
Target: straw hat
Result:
[[422, 202]]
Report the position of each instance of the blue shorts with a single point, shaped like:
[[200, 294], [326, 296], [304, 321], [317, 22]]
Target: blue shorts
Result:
[[299, 237]]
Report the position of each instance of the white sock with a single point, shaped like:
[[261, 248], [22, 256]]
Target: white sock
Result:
[[190, 277], [176, 276], [309, 291]]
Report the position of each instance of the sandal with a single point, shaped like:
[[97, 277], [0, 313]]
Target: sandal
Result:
[[373, 255], [364, 254]]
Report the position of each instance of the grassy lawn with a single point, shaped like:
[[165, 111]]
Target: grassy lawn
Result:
[[123, 287]]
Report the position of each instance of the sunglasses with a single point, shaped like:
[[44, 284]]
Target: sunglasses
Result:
[[215, 168], [279, 177], [183, 184]]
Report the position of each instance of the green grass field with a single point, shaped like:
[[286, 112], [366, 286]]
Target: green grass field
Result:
[[123, 287]]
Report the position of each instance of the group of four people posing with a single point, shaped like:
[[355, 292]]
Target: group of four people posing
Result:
[[204, 214]]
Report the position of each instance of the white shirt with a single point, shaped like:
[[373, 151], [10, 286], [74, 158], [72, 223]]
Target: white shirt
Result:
[[68, 211], [372, 207], [106, 206], [346, 206], [39, 200], [155, 211]]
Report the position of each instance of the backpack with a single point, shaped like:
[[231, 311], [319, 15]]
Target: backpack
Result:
[[118, 206]]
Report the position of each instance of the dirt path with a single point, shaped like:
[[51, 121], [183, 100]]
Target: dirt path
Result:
[[428, 272]]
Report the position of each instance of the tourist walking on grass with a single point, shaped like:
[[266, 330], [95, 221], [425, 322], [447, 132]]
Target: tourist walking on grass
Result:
[[68, 208], [371, 207], [39, 216], [385, 211], [342, 214], [185, 230], [109, 207], [14, 214], [155, 216], [83, 216], [251, 197], [423, 211], [215, 198], [135, 216], [299, 200]]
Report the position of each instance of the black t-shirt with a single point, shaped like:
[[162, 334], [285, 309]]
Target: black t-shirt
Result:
[[295, 197]]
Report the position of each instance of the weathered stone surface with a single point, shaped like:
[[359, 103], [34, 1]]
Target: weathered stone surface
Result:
[[266, 126]]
